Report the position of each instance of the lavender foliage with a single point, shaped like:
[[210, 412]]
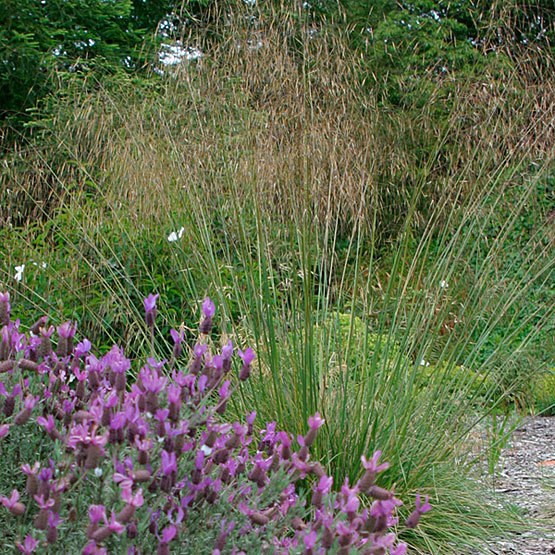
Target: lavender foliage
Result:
[[152, 465]]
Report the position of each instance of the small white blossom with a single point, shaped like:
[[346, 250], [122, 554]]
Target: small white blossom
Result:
[[424, 363], [19, 272], [175, 235], [98, 472], [443, 284], [206, 450]]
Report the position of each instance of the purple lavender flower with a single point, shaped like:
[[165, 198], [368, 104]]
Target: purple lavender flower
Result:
[[372, 469], [32, 483], [168, 534], [121, 478], [45, 346], [224, 390], [208, 309], [96, 514], [199, 352], [43, 503], [258, 473], [152, 381], [52, 530], [41, 520], [106, 531], [314, 422], [309, 539], [169, 470], [169, 463], [28, 546], [382, 512], [82, 348], [227, 353], [322, 488], [93, 549], [401, 549], [117, 422], [174, 401], [12, 503], [177, 341], [174, 394], [414, 517], [222, 538], [150, 309], [247, 357], [132, 502], [4, 308], [29, 403], [40, 323], [49, 424], [66, 332]]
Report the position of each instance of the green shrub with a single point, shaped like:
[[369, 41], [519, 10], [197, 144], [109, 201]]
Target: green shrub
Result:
[[543, 392]]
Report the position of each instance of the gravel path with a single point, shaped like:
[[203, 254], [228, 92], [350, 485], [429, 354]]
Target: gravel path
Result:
[[526, 478]]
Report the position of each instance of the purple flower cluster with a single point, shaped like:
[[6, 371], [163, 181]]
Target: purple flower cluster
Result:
[[157, 464]]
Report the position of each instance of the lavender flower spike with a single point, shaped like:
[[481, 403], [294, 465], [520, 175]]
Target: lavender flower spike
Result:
[[177, 337], [66, 333], [314, 422], [28, 546], [247, 357], [372, 469], [12, 503], [4, 308], [208, 309], [414, 517], [150, 309], [168, 535]]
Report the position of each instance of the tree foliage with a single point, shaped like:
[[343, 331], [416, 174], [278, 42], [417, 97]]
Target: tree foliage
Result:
[[445, 33], [37, 36]]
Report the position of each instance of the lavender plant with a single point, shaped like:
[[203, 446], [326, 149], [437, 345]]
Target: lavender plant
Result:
[[153, 465]]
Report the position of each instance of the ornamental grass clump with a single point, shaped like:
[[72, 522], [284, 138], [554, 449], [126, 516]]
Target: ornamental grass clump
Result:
[[96, 464]]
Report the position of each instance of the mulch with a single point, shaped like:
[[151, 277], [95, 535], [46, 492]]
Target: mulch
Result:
[[525, 477]]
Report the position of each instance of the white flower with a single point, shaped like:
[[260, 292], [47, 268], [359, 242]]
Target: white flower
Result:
[[42, 265], [19, 272], [443, 284], [424, 363], [175, 235], [206, 450], [98, 472]]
